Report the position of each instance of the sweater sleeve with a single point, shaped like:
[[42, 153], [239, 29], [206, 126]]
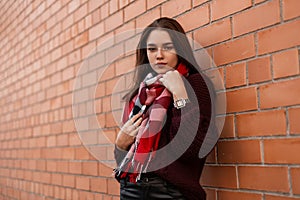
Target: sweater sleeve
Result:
[[119, 154], [190, 124]]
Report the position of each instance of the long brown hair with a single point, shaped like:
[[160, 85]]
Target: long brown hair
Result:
[[181, 45]]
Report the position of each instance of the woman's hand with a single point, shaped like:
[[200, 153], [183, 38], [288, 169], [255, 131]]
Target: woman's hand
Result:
[[172, 80], [128, 132]]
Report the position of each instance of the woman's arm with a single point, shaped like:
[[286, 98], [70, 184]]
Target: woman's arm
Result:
[[192, 120]]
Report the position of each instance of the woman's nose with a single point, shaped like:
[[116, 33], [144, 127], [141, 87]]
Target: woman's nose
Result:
[[159, 53]]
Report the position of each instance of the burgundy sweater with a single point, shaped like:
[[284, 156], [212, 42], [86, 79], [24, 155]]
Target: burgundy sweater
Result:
[[182, 137]]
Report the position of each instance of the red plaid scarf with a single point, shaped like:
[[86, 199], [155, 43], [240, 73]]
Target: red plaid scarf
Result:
[[157, 100]]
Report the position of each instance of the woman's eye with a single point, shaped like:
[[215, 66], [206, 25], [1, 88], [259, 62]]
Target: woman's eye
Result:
[[168, 48], [151, 49]]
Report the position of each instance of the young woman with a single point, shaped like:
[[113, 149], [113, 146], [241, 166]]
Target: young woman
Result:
[[166, 117]]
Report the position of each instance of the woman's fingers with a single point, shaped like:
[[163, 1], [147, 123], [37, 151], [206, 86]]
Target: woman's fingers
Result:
[[134, 132], [132, 124], [135, 117], [138, 122]]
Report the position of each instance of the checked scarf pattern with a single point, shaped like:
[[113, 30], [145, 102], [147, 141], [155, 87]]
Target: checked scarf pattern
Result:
[[157, 99]]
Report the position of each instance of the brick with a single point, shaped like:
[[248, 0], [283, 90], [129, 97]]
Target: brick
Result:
[[261, 123], [74, 57], [261, 16], [113, 6], [107, 197], [82, 183], [214, 33], [89, 138], [88, 49], [73, 5], [69, 180], [130, 45], [100, 90], [96, 31], [51, 141], [105, 170], [290, 9], [110, 152], [233, 195], [199, 2], [295, 174], [135, 9], [234, 50], [258, 1], [219, 176], [90, 168], [123, 3], [175, 7], [99, 152], [104, 10], [211, 158], [284, 93], [62, 166], [126, 31], [153, 3], [241, 100], [279, 197], [211, 194], [99, 184], [114, 85], [113, 187], [110, 120], [126, 65], [147, 18], [82, 39], [195, 18], [228, 130], [285, 63], [92, 5], [109, 136], [75, 194], [96, 61], [285, 35], [62, 140], [114, 53], [285, 151], [239, 151], [81, 12], [82, 154], [259, 70], [222, 8], [95, 17], [270, 178], [235, 75], [101, 120], [68, 153], [113, 21], [294, 114]]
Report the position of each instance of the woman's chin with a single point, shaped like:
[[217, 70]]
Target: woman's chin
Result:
[[162, 70]]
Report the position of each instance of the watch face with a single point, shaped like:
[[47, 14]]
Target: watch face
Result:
[[179, 103]]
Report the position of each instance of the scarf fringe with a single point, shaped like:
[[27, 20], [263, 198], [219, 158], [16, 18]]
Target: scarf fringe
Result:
[[137, 170]]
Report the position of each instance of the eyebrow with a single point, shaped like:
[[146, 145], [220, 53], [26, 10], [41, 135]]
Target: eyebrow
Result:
[[167, 43]]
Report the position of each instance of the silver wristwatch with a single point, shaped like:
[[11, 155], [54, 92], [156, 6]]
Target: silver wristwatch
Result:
[[180, 103]]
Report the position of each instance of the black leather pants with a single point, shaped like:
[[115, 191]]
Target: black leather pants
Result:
[[148, 188]]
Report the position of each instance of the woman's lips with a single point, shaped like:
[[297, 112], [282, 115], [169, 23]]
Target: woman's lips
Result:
[[161, 64]]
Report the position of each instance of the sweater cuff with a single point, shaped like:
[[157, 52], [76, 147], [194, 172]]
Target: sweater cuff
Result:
[[119, 154]]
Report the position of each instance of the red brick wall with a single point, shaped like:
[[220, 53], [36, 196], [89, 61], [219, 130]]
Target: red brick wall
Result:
[[44, 43]]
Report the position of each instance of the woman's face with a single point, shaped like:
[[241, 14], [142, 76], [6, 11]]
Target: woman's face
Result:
[[161, 52]]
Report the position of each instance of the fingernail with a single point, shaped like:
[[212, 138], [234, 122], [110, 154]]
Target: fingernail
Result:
[[143, 109]]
